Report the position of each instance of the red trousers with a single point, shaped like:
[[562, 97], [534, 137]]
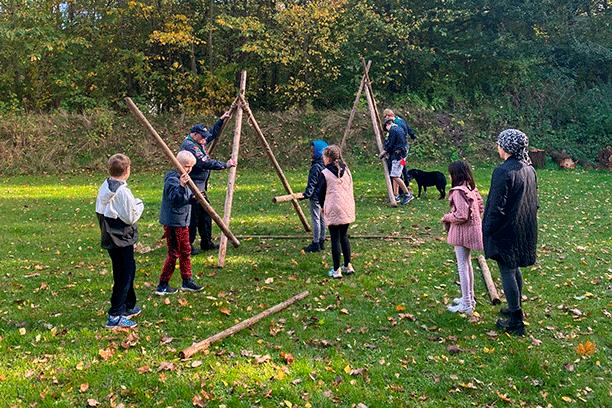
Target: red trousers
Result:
[[179, 248]]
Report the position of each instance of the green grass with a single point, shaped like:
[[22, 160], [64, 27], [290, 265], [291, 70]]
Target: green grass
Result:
[[56, 289]]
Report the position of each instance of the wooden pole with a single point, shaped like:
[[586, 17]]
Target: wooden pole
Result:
[[231, 177], [207, 207], [378, 137], [382, 237], [352, 114], [215, 142], [288, 197], [204, 344], [486, 275], [275, 164]]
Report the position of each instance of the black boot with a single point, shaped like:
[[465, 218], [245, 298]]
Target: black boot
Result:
[[313, 247], [514, 325], [504, 311], [322, 244]]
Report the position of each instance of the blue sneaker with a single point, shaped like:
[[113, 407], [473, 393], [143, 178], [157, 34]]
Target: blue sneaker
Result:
[[131, 313], [336, 274], [120, 322], [164, 289]]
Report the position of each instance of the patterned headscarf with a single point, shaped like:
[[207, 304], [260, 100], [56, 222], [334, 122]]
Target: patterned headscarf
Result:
[[515, 142]]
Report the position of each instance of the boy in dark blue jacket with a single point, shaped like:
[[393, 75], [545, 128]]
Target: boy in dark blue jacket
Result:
[[396, 147], [318, 224], [175, 215]]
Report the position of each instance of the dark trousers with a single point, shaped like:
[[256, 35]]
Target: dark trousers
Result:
[[178, 248], [512, 281], [200, 223], [124, 271], [339, 239]]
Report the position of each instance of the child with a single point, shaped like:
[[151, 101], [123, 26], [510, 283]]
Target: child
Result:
[[396, 147], [335, 191], [118, 211], [464, 226], [175, 215], [318, 224]]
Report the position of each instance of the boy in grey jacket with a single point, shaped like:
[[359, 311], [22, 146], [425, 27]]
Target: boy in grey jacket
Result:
[[118, 211]]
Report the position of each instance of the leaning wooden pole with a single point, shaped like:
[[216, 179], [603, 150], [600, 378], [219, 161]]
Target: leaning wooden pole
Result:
[[207, 207], [486, 275], [231, 177], [354, 109], [204, 344], [215, 142], [275, 164], [288, 197], [379, 143]]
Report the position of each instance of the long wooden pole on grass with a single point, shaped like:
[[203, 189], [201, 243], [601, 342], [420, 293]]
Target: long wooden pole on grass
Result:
[[207, 207], [378, 137], [486, 275], [204, 344], [354, 109], [288, 197], [275, 164], [231, 177]]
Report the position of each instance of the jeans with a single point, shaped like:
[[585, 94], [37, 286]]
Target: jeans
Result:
[[318, 223], [124, 271], [339, 239]]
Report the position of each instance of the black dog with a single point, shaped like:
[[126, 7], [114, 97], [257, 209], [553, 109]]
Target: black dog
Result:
[[428, 178]]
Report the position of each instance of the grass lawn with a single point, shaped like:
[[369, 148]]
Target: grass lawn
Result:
[[382, 337]]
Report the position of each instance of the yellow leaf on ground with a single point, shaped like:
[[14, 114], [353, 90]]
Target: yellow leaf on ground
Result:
[[84, 387]]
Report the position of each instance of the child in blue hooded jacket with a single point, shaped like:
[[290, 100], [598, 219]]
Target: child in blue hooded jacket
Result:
[[318, 224]]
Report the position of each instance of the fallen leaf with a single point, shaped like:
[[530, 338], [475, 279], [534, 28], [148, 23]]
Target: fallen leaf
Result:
[[84, 387], [198, 401], [196, 363], [166, 366], [357, 371], [263, 359], [344, 311], [22, 331], [225, 311], [569, 367], [92, 402], [106, 353], [407, 316], [166, 301], [503, 397], [400, 308], [586, 349], [165, 339], [453, 349], [534, 341], [269, 281], [576, 312], [288, 357], [567, 399], [183, 302], [144, 369]]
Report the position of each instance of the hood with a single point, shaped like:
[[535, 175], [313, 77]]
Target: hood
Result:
[[319, 145], [104, 203]]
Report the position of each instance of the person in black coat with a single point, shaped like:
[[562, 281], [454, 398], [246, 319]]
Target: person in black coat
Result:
[[510, 225]]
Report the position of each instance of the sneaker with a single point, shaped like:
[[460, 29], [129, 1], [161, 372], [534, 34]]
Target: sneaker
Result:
[[399, 197], [190, 286], [313, 247], [336, 274], [461, 308], [120, 322], [195, 251], [165, 289], [406, 199], [322, 244], [131, 313], [456, 301], [348, 270]]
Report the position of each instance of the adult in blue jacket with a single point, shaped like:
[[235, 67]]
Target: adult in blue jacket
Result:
[[396, 148], [318, 224], [196, 143]]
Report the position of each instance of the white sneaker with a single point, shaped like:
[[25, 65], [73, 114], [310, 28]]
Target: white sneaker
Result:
[[461, 308], [336, 274], [348, 270], [456, 301]]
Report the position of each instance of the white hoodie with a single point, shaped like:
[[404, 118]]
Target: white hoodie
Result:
[[119, 203]]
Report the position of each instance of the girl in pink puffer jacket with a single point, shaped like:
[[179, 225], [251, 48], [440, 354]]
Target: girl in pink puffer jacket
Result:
[[464, 225]]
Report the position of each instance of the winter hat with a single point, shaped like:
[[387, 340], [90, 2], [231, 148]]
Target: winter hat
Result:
[[319, 145], [200, 129], [515, 142]]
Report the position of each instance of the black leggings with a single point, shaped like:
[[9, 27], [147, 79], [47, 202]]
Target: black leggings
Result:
[[339, 238]]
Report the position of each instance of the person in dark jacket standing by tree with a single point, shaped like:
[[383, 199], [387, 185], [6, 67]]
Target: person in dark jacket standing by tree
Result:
[[195, 143], [401, 122], [318, 224], [396, 148], [510, 225]]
